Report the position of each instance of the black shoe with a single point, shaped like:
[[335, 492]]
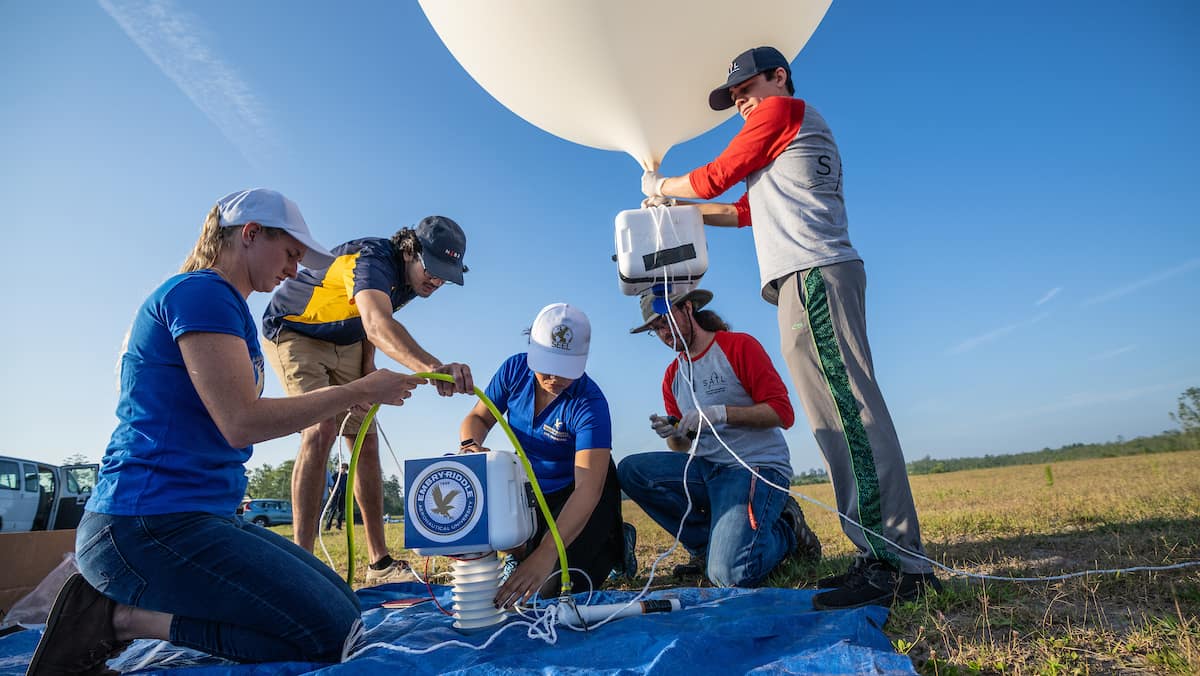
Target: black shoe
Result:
[[629, 562], [808, 547], [875, 583], [694, 567], [835, 581], [79, 636]]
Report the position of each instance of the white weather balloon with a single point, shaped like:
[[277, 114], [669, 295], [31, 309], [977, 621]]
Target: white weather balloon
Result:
[[631, 75]]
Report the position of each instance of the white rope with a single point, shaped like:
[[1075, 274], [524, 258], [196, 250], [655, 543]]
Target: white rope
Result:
[[329, 500], [685, 355]]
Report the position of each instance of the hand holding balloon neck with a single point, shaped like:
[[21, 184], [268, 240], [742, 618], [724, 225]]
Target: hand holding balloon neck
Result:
[[652, 184]]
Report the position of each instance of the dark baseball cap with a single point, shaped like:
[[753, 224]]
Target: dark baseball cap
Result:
[[442, 247], [747, 64]]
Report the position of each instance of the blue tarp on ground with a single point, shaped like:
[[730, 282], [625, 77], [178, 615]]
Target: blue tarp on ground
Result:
[[719, 631]]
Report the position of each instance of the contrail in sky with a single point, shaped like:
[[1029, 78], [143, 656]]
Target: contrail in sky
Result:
[[1088, 399], [1113, 353], [995, 334], [177, 43], [1049, 294], [1142, 283]]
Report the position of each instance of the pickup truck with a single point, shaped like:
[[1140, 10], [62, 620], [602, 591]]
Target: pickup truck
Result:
[[36, 495]]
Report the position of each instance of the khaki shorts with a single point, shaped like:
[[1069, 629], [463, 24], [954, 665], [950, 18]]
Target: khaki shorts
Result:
[[305, 364]]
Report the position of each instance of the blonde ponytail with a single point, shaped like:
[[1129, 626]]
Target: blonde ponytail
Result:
[[208, 247]]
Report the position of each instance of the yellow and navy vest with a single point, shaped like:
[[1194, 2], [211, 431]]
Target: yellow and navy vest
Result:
[[319, 303]]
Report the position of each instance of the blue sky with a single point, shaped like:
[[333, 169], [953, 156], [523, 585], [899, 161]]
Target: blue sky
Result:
[[1020, 179]]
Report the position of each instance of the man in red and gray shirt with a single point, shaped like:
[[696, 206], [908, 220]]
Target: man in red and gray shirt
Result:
[[786, 154]]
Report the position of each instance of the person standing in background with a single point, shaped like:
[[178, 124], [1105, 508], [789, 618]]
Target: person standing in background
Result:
[[323, 327], [786, 154]]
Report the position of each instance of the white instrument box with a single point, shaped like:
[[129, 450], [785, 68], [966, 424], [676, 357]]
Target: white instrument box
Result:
[[660, 245], [466, 503]]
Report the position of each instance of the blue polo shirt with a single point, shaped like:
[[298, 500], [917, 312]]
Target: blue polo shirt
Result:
[[167, 455], [576, 420], [319, 303]]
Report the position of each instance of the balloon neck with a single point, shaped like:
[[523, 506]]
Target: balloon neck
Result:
[[648, 164]]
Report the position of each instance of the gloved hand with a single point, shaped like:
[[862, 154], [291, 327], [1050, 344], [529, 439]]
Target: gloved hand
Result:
[[690, 423], [662, 426], [652, 184], [658, 202]]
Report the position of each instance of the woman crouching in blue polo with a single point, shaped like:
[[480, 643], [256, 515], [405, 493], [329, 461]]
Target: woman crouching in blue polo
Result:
[[161, 551], [561, 418]]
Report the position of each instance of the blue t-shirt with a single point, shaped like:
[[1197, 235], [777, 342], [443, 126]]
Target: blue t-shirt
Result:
[[576, 420], [320, 303], [167, 454]]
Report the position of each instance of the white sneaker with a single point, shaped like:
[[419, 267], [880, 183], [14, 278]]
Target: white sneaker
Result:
[[399, 571]]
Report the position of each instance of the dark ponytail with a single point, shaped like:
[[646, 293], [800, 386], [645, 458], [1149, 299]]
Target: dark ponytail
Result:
[[710, 321]]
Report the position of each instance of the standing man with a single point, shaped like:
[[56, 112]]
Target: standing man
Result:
[[739, 527], [786, 154], [337, 504], [322, 328]]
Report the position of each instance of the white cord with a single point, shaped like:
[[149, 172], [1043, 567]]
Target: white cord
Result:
[[541, 624], [438, 646], [329, 501], [685, 354]]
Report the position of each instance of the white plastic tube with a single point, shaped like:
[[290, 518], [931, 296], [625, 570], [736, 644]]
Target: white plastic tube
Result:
[[580, 616]]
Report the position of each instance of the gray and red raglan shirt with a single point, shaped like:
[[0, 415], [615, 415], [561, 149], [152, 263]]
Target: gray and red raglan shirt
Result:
[[793, 171], [734, 370]]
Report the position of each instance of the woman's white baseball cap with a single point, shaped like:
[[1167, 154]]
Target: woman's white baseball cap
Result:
[[559, 340], [270, 209]]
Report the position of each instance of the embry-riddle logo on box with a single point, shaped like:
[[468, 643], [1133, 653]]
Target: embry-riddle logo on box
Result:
[[446, 500]]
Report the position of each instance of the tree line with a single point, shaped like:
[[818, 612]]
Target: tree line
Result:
[[1186, 438], [266, 481]]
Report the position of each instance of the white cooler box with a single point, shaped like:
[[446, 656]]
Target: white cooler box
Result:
[[465, 503], [660, 245]]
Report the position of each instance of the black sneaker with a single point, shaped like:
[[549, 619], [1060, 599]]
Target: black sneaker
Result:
[[875, 583], [808, 546], [835, 581], [630, 536], [629, 564], [693, 568]]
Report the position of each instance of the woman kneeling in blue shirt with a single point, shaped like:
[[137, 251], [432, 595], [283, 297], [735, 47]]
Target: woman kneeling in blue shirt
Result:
[[161, 551], [561, 418]]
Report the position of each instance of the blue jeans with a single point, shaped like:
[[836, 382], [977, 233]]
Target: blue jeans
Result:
[[739, 553], [236, 590]]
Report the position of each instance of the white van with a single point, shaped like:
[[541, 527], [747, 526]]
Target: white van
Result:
[[40, 496]]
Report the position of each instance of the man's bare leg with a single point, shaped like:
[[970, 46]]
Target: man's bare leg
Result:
[[368, 491], [308, 481]]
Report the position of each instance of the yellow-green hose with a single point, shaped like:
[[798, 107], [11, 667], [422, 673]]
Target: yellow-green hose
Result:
[[537, 491]]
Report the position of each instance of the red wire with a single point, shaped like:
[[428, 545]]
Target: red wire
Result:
[[430, 588], [750, 505]]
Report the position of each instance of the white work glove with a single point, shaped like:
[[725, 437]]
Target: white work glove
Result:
[[662, 426], [689, 425], [658, 202], [652, 184]]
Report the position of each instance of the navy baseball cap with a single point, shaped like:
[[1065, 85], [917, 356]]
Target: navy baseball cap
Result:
[[747, 64], [442, 247]]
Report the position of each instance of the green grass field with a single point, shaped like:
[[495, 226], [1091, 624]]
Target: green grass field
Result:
[[1033, 520]]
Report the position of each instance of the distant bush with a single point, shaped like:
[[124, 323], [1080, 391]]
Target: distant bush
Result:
[[1167, 442]]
